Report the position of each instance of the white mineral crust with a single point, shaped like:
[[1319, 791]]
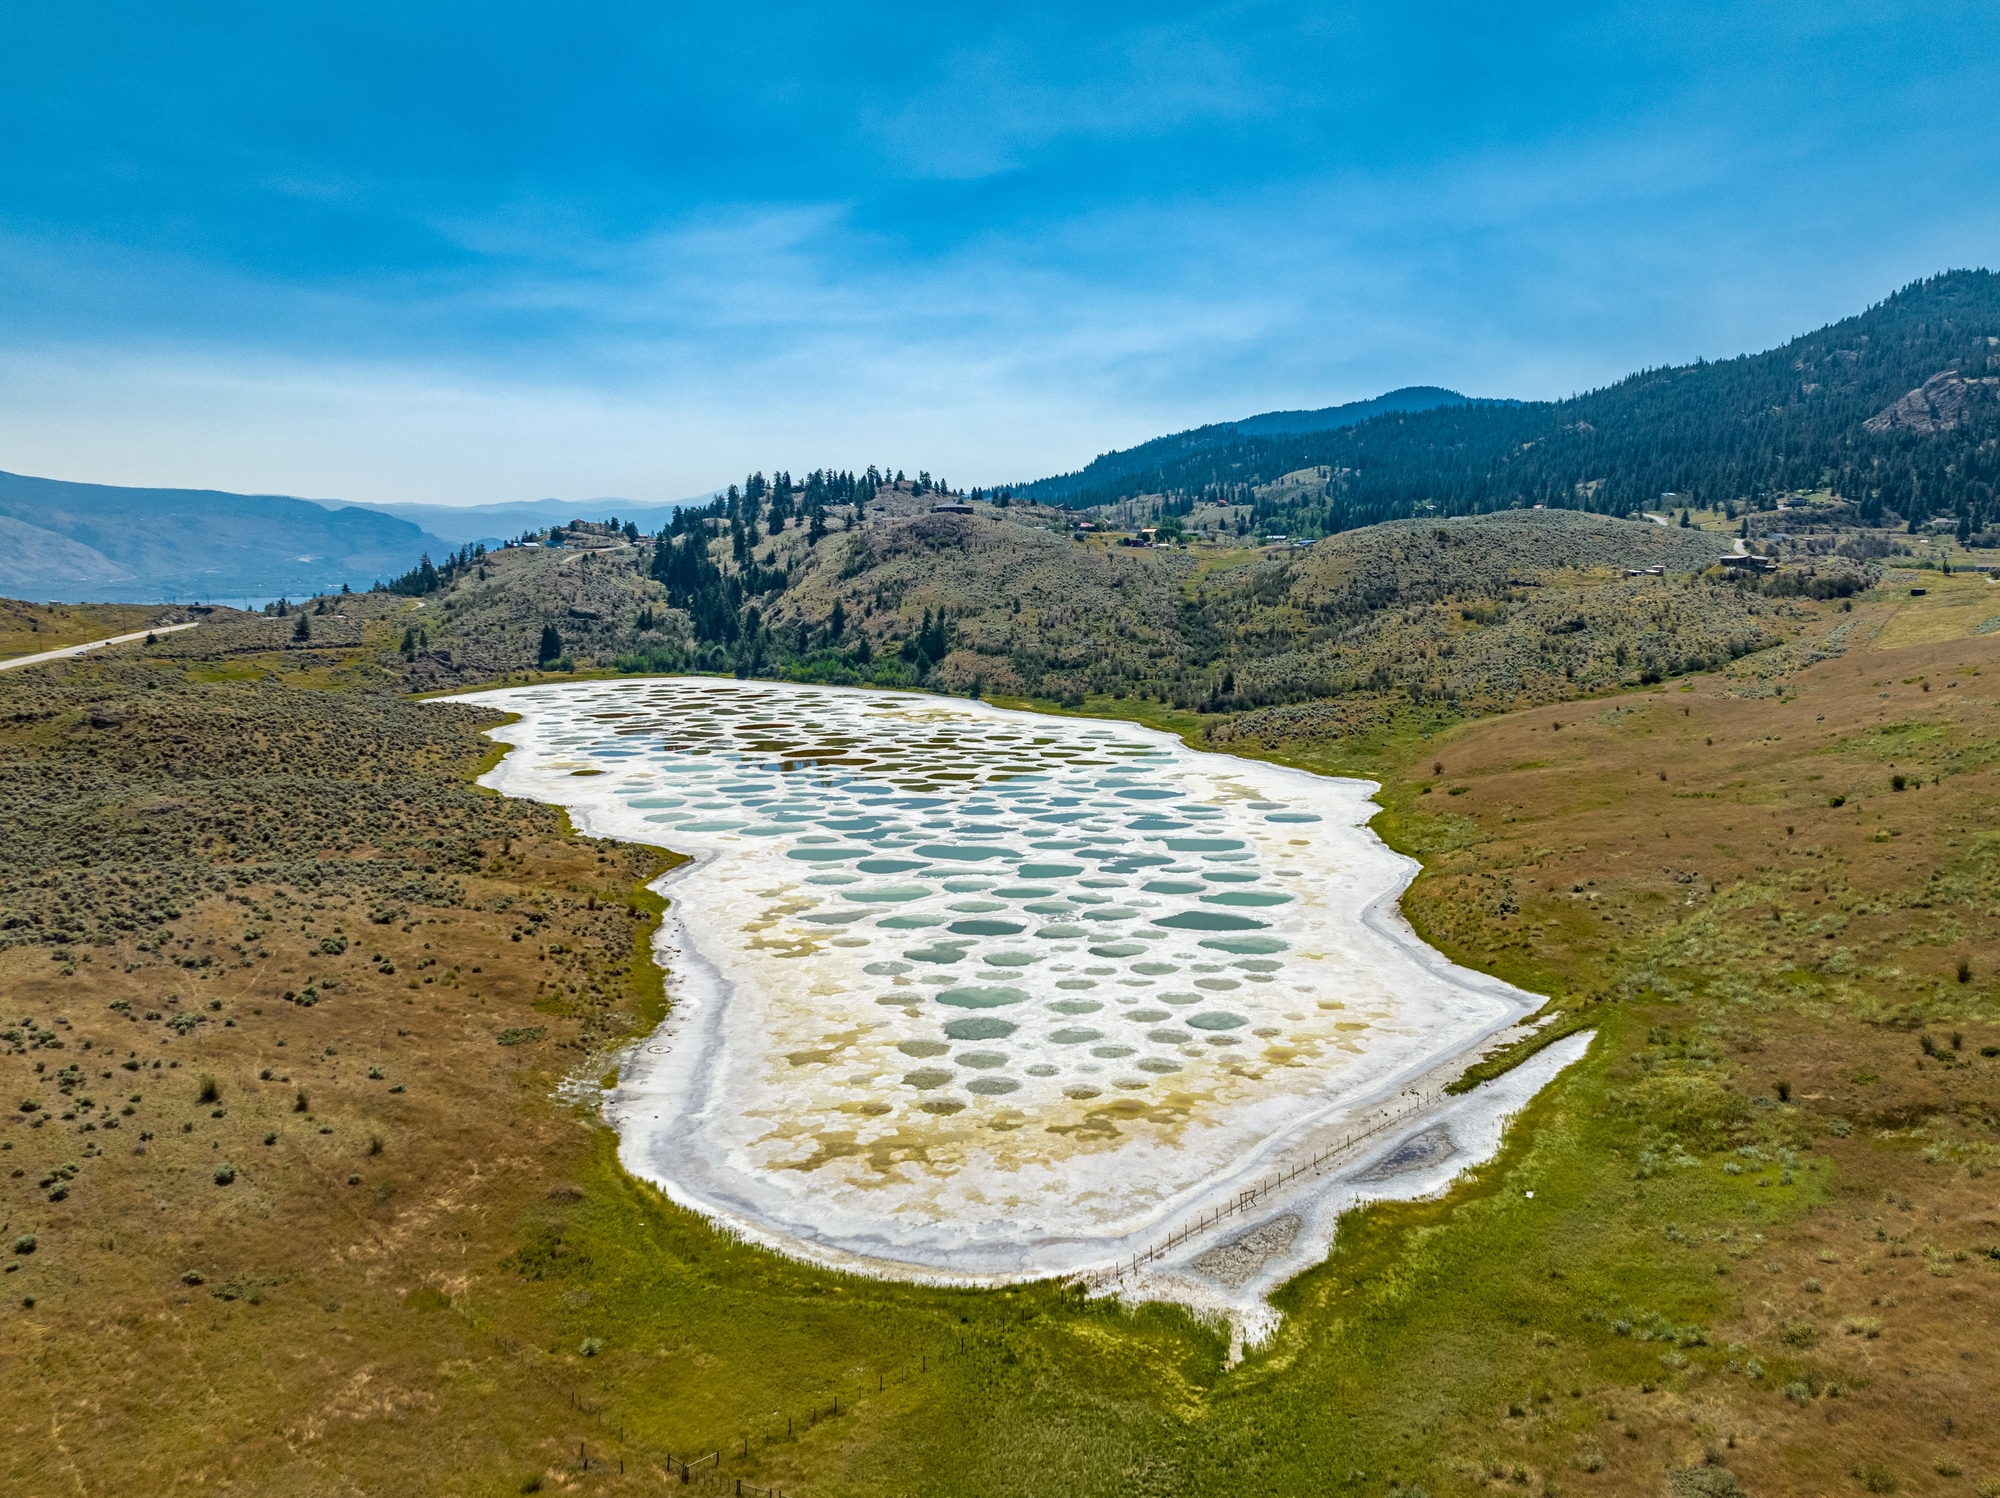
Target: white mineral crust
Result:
[[969, 994]]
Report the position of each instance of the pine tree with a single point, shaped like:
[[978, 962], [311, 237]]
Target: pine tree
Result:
[[551, 646]]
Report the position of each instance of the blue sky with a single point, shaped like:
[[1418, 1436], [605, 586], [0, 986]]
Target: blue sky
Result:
[[475, 253]]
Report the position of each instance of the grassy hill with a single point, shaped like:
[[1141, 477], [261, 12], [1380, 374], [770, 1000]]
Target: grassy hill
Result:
[[1467, 615]]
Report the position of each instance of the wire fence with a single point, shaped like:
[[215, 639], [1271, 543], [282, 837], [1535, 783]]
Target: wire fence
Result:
[[1250, 1196]]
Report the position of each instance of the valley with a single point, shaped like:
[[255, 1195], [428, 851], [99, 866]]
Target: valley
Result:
[[1760, 1230]]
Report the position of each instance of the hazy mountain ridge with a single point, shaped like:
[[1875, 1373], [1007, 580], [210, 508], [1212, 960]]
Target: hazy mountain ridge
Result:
[[69, 541], [118, 544]]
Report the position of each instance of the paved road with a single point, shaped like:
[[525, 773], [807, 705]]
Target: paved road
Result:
[[68, 650]]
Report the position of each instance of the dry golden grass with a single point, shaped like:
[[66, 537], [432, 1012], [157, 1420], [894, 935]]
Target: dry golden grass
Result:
[[31, 628], [385, 1147], [1675, 862], [1951, 607]]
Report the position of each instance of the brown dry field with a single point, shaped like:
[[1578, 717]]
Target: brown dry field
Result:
[[1682, 843], [386, 1149]]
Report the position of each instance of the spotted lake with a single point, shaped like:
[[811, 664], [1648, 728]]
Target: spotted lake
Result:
[[969, 992]]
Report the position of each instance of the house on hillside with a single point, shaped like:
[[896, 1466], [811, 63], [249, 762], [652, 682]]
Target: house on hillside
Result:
[[952, 507], [1751, 564]]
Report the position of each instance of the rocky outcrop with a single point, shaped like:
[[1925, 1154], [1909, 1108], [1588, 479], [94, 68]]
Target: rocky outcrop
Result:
[[1938, 405]]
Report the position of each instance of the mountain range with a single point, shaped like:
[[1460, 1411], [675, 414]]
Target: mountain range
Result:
[[1896, 410], [67, 541]]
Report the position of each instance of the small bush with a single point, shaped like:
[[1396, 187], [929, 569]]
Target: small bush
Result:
[[208, 1093], [1705, 1482], [590, 1347], [1876, 1479], [25, 1244], [192, 1277], [299, 1103], [224, 1174]]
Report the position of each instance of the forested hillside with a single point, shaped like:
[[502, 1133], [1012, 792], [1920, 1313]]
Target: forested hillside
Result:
[[1851, 408], [1108, 470]]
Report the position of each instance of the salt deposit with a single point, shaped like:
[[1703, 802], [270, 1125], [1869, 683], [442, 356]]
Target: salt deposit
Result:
[[969, 994]]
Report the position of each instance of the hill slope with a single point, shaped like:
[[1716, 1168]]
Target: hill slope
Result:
[[1817, 413], [1444, 618]]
